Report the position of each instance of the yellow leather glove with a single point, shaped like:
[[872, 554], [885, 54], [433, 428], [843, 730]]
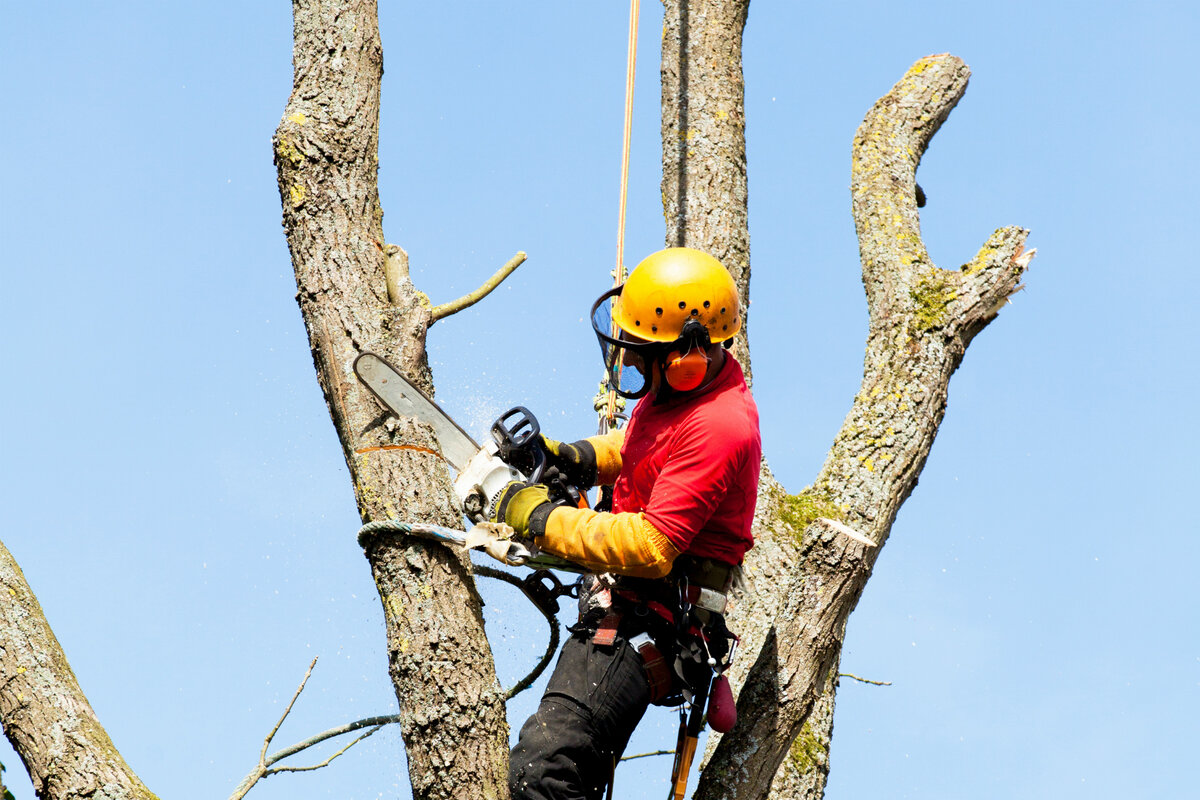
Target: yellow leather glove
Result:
[[517, 502]]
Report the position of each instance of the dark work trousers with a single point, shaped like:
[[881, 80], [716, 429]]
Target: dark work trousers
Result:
[[595, 698]]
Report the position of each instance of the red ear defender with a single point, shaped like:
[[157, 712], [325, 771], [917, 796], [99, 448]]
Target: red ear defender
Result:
[[686, 371]]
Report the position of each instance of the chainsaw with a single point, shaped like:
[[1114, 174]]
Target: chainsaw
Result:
[[515, 453]]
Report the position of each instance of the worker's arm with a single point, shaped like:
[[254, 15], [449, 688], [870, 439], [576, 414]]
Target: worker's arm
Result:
[[608, 455], [626, 543]]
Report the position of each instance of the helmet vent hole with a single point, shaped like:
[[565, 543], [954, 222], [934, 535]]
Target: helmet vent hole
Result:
[[654, 329], [658, 311], [682, 304], [722, 310], [707, 304], [695, 312], [637, 322]]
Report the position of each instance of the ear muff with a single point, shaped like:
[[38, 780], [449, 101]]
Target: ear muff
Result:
[[685, 371]]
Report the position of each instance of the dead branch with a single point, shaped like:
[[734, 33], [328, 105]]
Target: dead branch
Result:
[[852, 676], [266, 763], [468, 300]]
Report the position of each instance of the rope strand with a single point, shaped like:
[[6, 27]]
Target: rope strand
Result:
[[608, 417]]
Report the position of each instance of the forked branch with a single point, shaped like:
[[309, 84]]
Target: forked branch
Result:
[[921, 320], [266, 763]]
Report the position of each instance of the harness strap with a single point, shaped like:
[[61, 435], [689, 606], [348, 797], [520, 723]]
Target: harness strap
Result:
[[606, 633], [658, 674], [698, 596]]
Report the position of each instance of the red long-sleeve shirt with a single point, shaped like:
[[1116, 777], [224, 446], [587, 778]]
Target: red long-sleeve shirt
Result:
[[691, 465]]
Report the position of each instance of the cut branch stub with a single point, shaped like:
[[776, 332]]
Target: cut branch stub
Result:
[[921, 320]]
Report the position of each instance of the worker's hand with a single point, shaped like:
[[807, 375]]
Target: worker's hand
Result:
[[576, 461], [517, 502]]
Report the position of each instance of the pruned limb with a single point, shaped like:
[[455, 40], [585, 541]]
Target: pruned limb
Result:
[[266, 762], [468, 300], [45, 714], [395, 272], [921, 320]]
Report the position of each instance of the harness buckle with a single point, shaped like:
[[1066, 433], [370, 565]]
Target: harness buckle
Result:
[[658, 674]]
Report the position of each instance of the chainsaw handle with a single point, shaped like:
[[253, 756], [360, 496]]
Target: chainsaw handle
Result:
[[519, 443], [518, 436]]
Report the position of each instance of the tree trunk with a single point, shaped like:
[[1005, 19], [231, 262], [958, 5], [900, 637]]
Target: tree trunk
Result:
[[705, 197], [704, 138], [326, 153], [46, 716], [921, 321]]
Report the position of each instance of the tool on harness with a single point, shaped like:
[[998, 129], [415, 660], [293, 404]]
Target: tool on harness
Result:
[[690, 627], [690, 726], [543, 588]]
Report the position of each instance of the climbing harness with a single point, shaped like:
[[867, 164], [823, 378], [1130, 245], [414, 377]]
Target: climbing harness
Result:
[[677, 626]]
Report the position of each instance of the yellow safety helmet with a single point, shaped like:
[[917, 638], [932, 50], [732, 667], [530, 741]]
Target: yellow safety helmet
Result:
[[673, 286], [674, 303]]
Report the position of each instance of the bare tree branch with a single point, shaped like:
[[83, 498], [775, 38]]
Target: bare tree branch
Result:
[[262, 756], [466, 301], [863, 680], [329, 760], [266, 763], [648, 755]]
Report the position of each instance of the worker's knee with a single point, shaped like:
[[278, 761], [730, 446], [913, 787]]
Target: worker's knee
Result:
[[557, 756]]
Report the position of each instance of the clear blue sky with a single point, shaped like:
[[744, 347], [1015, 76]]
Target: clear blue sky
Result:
[[172, 486]]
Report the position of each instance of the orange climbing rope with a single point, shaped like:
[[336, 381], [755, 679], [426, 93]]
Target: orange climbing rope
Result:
[[608, 410]]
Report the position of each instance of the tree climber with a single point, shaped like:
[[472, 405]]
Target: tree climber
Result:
[[684, 472]]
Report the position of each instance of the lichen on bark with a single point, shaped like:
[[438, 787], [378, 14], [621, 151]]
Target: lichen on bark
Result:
[[921, 320]]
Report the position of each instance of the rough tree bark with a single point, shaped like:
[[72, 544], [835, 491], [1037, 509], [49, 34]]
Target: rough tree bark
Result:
[[355, 295], [705, 196], [50, 723], [921, 320]]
